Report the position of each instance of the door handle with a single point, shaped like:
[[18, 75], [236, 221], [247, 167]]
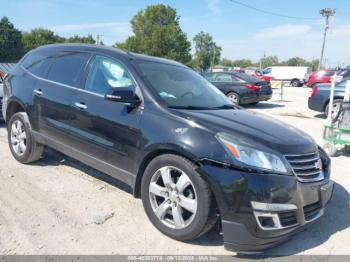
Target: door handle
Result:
[[38, 92], [80, 105]]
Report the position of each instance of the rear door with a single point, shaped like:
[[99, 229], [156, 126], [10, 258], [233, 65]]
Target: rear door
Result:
[[54, 93], [106, 133]]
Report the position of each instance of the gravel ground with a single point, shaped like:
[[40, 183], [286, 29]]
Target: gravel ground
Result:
[[59, 206]]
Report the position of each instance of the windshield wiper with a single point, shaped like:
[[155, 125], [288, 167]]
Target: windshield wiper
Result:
[[225, 107]]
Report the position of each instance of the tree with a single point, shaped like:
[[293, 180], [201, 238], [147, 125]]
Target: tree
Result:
[[40, 36], [207, 52], [11, 48], [226, 62], [157, 32], [81, 39], [296, 61], [242, 63], [269, 61]]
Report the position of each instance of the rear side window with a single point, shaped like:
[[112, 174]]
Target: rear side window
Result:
[[37, 64], [223, 78], [67, 67]]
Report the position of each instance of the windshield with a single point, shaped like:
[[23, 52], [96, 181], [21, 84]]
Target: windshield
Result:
[[181, 87]]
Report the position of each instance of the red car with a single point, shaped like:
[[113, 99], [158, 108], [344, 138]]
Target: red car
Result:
[[323, 77], [261, 76]]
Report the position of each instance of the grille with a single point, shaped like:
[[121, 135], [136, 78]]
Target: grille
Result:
[[311, 211], [306, 167], [288, 218]]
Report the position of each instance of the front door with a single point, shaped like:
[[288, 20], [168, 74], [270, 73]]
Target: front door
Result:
[[107, 133]]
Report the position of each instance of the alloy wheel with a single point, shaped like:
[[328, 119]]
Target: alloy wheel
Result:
[[18, 137], [173, 197], [233, 98]]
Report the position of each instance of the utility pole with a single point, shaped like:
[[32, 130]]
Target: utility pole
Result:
[[326, 13], [98, 41], [213, 59]]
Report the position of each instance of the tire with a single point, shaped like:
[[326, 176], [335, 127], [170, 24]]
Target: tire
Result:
[[194, 224], [233, 97], [336, 115], [295, 83], [22, 135], [347, 149], [330, 149]]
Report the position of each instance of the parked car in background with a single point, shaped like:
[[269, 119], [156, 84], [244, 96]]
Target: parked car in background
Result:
[[325, 76], [261, 76], [5, 68], [319, 98], [320, 77], [1, 96], [173, 138], [294, 74], [241, 88]]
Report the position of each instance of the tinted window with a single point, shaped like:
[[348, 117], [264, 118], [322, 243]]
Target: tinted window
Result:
[[210, 77], [329, 73], [106, 74], [223, 78], [37, 64], [247, 78], [67, 67]]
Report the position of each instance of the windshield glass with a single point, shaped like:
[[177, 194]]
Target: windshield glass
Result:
[[181, 87]]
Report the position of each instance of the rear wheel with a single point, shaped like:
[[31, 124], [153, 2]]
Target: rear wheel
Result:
[[295, 83], [347, 149], [233, 97], [337, 103], [176, 199], [22, 143]]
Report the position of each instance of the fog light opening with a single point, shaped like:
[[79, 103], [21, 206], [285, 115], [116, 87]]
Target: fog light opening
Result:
[[266, 222]]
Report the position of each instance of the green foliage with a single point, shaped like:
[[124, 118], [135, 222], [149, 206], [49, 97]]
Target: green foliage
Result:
[[207, 53], [81, 39], [157, 32], [269, 61], [38, 37], [239, 63], [11, 48]]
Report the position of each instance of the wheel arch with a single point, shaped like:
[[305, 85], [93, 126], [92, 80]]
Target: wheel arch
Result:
[[14, 106], [327, 102], [153, 154]]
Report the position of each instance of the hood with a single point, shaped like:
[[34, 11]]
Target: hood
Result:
[[255, 128]]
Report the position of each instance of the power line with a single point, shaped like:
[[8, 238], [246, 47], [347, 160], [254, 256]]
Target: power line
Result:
[[272, 13]]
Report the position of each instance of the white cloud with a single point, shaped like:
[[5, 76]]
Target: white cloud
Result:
[[282, 31], [213, 6], [78, 27]]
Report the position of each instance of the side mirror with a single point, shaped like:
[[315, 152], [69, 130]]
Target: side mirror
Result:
[[123, 95]]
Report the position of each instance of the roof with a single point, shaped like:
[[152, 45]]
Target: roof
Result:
[[107, 50]]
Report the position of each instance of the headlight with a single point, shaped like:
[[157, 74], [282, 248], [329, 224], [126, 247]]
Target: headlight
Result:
[[250, 156]]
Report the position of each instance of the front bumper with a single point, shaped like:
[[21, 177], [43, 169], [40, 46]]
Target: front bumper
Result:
[[248, 228]]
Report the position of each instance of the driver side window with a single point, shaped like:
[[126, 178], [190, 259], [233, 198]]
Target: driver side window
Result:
[[105, 74]]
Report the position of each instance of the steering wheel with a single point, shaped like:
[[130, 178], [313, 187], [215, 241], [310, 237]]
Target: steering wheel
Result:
[[187, 93]]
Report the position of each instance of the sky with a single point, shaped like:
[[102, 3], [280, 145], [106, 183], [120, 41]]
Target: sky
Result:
[[240, 31]]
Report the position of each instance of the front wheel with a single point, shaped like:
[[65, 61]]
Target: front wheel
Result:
[[176, 199]]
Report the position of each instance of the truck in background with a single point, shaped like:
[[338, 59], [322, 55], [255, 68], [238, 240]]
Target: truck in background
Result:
[[294, 74]]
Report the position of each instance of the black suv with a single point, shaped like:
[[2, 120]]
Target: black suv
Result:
[[194, 158]]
